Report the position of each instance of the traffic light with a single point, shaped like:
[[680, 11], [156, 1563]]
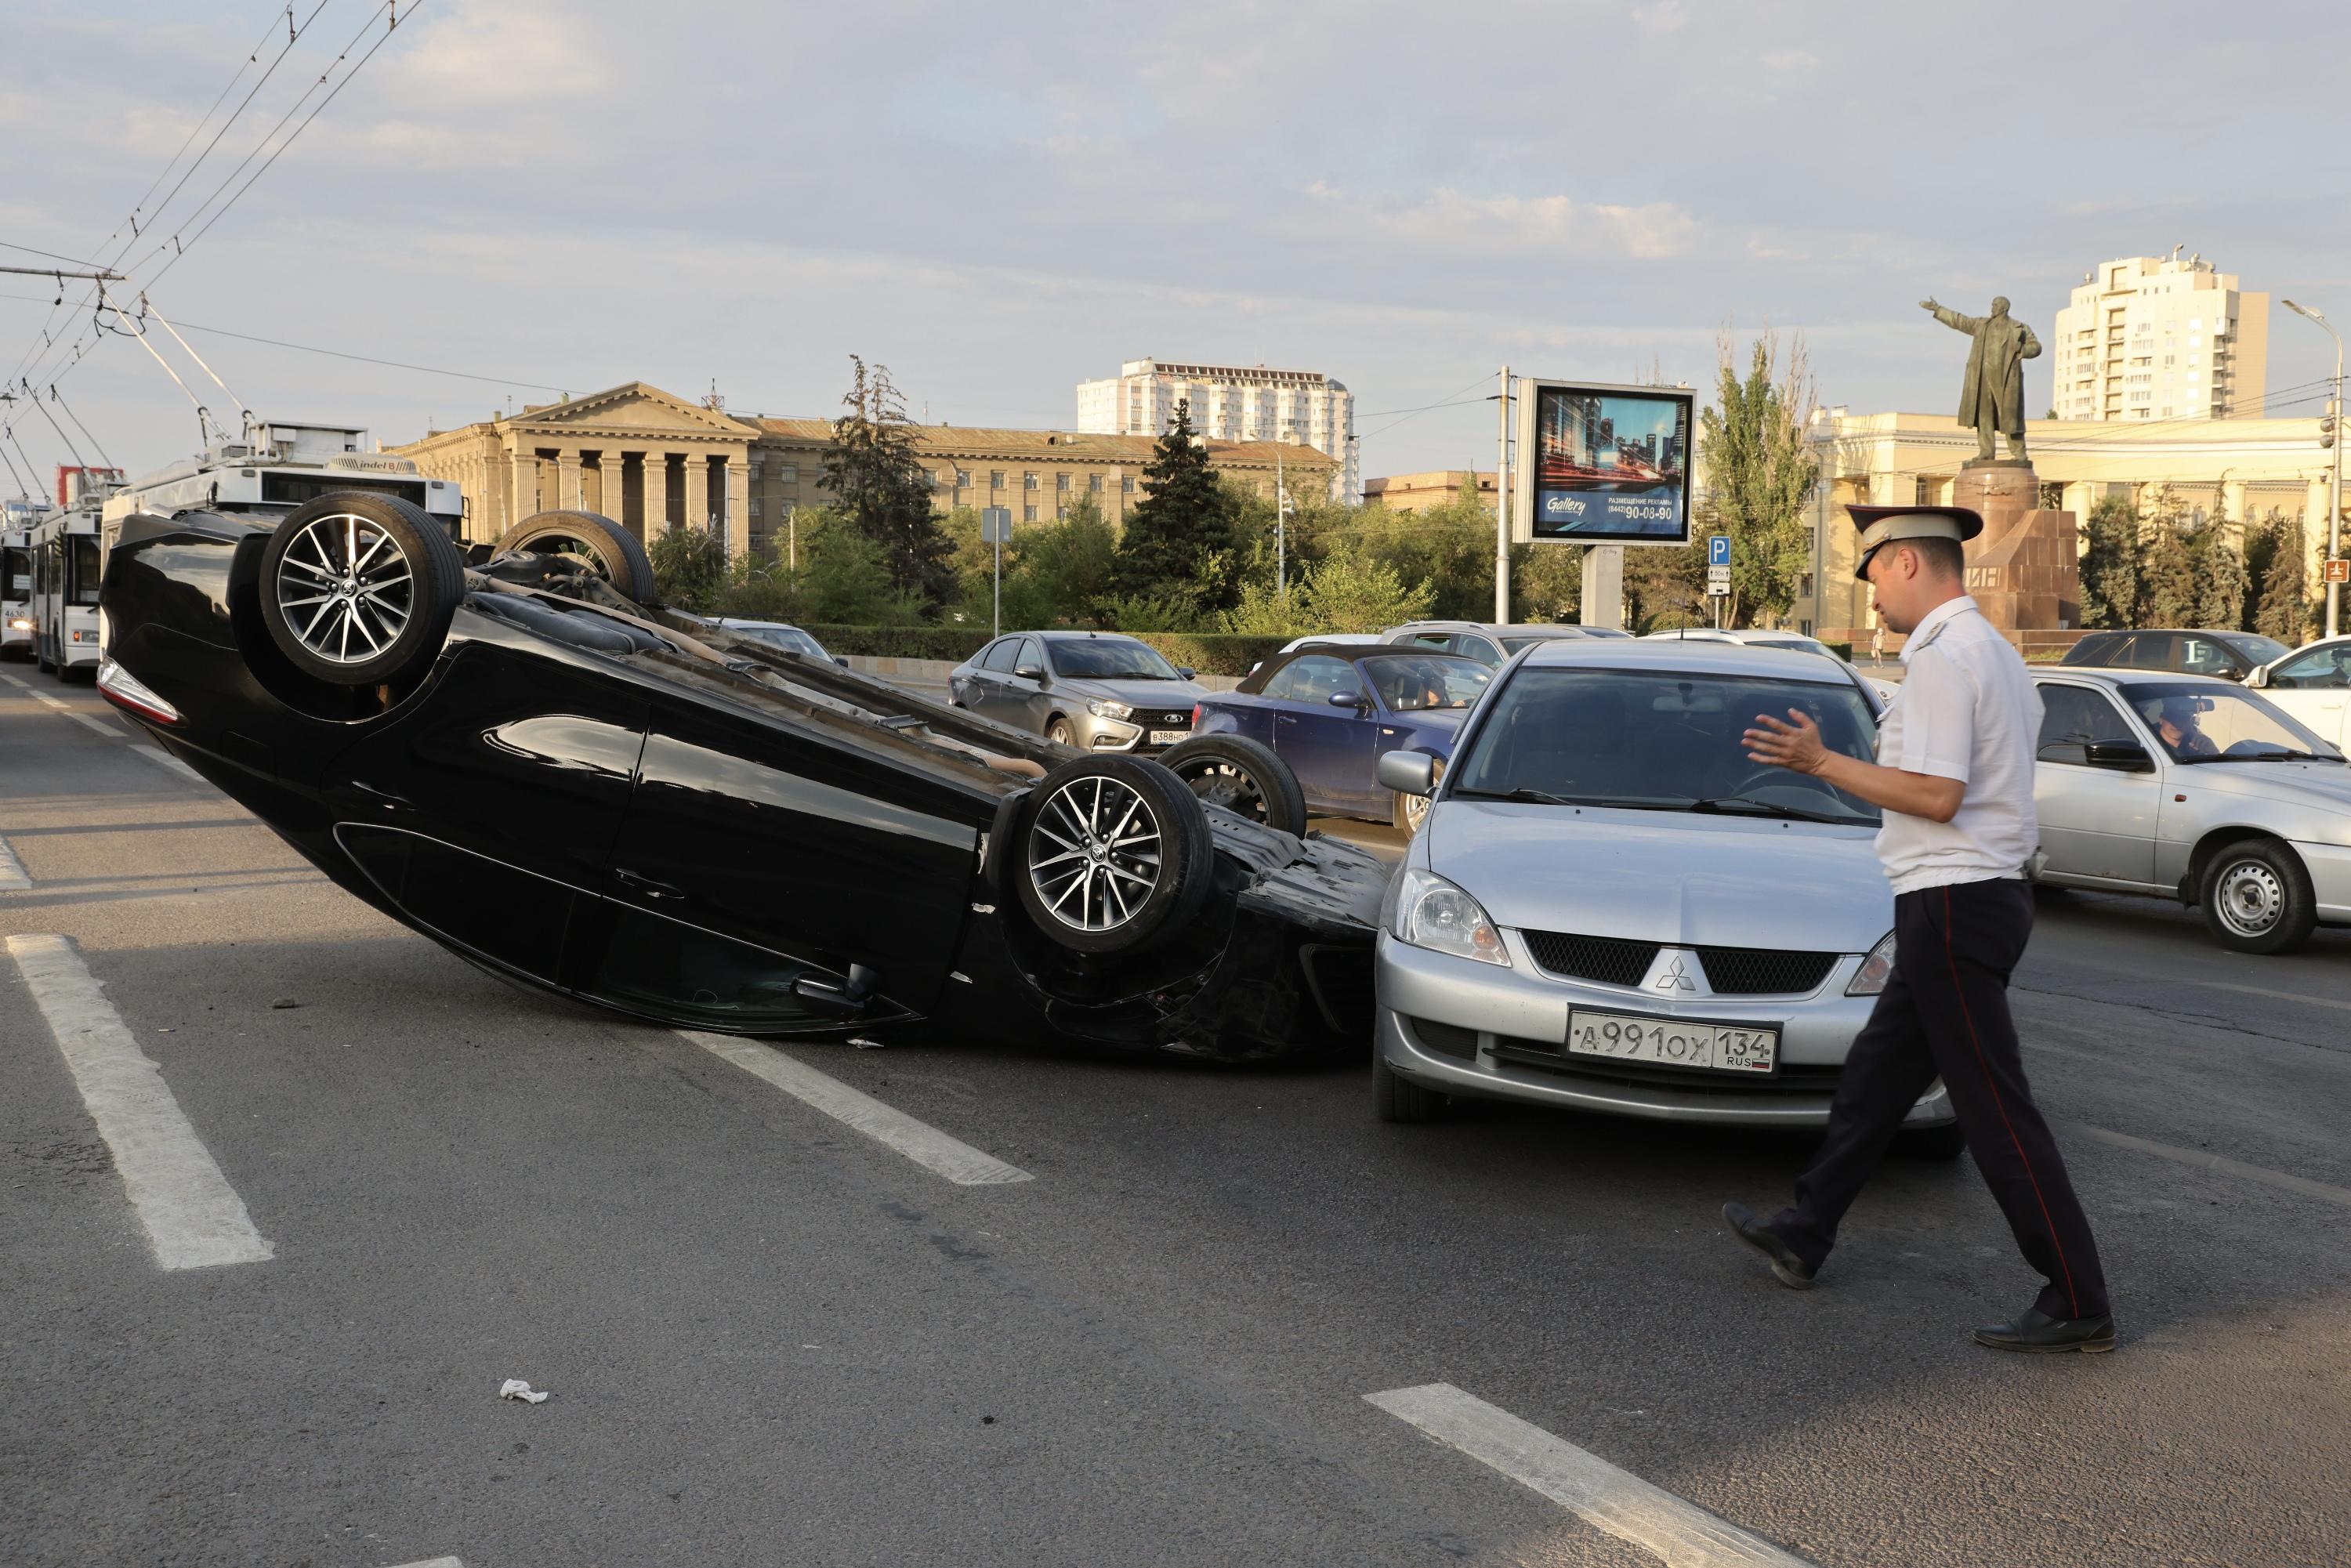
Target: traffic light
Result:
[[2325, 431]]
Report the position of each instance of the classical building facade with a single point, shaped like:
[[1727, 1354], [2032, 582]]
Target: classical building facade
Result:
[[2149, 337], [1230, 403], [649, 460], [2235, 470]]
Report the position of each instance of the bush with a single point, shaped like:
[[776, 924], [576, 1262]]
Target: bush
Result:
[[1212, 652]]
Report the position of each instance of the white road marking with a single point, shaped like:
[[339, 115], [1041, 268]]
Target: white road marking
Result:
[[2205, 1160], [918, 1141], [436, 1563], [20, 685], [92, 722], [11, 872], [2273, 995], [1628, 1508], [164, 760], [193, 1217]]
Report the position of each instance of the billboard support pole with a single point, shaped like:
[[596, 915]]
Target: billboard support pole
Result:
[[1502, 507]]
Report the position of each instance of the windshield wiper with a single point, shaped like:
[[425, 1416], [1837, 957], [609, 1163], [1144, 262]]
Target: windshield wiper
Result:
[[1544, 797], [1742, 805], [2280, 755]]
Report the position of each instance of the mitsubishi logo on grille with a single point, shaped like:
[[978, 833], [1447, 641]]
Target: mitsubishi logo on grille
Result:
[[1672, 972]]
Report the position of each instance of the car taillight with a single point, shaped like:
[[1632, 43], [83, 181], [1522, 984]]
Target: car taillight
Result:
[[125, 690]]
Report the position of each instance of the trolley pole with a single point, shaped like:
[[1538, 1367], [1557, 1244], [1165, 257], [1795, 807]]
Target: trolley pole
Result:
[[1502, 504]]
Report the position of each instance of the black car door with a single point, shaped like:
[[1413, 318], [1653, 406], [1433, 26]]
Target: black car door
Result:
[[490, 810], [776, 833]]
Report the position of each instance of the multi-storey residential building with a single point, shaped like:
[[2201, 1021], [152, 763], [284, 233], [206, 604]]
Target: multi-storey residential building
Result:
[[2160, 338], [648, 459], [1230, 403]]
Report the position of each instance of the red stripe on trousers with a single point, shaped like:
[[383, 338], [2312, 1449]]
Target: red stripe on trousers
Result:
[[1953, 957]]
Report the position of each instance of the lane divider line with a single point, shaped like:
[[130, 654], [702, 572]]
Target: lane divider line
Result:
[[168, 763], [2220, 1165], [11, 872], [436, 1563], [924, 1144], [2275, 996], [1616, 1501], [192, 1216], [90, 721]]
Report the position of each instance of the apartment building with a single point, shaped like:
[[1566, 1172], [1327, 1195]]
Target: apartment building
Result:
[[1230, 403], [2160, 338]]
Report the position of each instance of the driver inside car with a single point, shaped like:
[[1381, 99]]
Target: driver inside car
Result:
[[2174, 721]]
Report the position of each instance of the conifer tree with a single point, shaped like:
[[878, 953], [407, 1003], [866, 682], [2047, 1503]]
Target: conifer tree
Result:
[[2110, 567], [879, 486], [2166, 574], [1177, 536], [2283, 612]]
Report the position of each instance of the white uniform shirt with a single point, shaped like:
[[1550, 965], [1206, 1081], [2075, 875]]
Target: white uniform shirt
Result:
[[1967, 710]]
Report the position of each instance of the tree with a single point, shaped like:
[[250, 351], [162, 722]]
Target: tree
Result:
[[1546, 583], [2283, 610], [1759, 473], [2109, 573], [1347, 591], [2166, 573], [879, 484], [690, 566], [1178, 544], [848, 581], [2221, 577]]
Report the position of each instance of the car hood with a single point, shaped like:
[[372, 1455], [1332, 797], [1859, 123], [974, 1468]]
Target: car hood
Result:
[[1168, 694], [2324, 784], [1672, 877]]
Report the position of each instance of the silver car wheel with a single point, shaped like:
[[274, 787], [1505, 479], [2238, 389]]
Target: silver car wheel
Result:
[[345, 588], [1093, 856], [2249, 897]]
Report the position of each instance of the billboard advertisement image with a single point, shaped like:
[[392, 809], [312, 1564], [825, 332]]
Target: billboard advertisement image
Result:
[[1604, 465]]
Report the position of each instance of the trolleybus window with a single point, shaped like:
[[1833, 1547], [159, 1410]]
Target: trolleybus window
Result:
[[82, 570]]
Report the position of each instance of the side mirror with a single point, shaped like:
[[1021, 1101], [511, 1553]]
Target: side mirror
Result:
[[2122, 756], [844, 1000], [1030, 671], [1409, 772], [1187, 672], [841, 660], [2260, 679], [1354, 701]]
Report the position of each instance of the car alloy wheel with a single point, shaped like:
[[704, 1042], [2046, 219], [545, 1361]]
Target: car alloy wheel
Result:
[[2249, 898], [1094, 854], [345, 588], [1415, 808]]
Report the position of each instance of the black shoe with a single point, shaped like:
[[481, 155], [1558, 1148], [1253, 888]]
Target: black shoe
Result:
[[1786, 1267], [2035, 1332]]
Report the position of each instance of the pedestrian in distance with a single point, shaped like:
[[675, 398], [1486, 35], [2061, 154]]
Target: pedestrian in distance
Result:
[[1876, 639], [1954, 779]]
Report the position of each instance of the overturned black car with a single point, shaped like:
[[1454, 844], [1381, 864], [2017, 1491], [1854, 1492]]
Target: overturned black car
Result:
[[531, 763]]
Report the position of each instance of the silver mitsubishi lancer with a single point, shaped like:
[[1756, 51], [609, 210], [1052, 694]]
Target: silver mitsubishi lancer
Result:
[[1611, 908]]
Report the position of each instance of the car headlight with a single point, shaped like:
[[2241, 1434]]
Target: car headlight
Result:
[[1432, 913], [1876, 969], [1102, 707]]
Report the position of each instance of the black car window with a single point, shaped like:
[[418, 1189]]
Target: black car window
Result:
[[1110, 658], [1313, 679], [1030, 657], [1000, 657], [1481, 649], [1440, 641], [1409, 683], [2207, 657], [2151, 651], [666, 967], [2073, 717], [2324, 669], [2098, 648], [2256, 650]]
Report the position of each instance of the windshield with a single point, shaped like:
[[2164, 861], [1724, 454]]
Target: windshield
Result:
[[1801, 645], [1109, 658], [1517, 644], [17, 573], [2260, 650], [1410, 682], [2217, 724], [790, 637], [1658, 739]]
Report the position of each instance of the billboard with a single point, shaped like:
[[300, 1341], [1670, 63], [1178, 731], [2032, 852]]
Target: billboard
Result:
[[1602, 464]]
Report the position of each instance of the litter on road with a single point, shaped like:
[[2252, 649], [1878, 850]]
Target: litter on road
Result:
[[516, 1388]]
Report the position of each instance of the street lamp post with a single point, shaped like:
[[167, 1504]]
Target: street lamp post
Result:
[[2335, 504]]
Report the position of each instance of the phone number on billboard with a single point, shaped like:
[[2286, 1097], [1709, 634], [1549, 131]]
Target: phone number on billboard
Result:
[[1643, 511]]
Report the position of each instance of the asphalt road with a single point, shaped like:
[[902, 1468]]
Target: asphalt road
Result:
[[773, 1339]]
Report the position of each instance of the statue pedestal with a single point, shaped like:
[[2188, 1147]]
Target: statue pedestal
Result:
[[2024, 569]]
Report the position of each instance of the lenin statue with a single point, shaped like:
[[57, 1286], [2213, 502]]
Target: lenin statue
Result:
[[1993, 397]]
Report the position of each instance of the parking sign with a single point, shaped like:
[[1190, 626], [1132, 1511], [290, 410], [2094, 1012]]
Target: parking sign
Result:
[[1718, 549]]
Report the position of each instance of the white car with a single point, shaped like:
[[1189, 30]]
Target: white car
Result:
[[1753, 638], [2313, 684]]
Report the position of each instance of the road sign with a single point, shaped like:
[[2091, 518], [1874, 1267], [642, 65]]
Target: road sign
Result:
[[1717, 552], [1718, 582], [996, 525], [2338, 570]]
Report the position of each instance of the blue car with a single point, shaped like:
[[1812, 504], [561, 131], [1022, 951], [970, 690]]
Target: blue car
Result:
[[1331, 711]]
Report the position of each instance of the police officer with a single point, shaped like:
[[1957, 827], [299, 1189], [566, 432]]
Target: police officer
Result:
[[1955, 780]]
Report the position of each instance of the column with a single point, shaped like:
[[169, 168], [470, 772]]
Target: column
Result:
[[2232, 507], [567, 486], [607, 498], [2079, 498], [738, 507], [658, 516], [521, 487]]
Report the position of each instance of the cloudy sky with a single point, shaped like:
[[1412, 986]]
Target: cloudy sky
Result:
[[1000, 200]]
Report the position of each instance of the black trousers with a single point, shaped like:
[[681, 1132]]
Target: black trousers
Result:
[[1945, 1011]]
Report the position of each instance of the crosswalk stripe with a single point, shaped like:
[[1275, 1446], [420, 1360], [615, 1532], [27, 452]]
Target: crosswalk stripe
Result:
[[192, 1216]]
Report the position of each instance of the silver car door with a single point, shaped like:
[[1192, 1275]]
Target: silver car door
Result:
[[2097, 821]]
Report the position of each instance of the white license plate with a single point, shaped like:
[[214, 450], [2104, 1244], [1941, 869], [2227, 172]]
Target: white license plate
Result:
[[1670, 1042], [1166, 737]]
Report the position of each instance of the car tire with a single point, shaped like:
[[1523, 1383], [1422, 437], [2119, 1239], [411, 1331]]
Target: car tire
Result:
[[1398, 1099], [2257, 898], [1930, 1143], [1072, 827], [1060, 734], [614, 551], [398, 605], [1409, 812], [1240, 775]]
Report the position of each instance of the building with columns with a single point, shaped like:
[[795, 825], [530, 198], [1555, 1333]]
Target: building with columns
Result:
[[649, 459], [2236, 470]]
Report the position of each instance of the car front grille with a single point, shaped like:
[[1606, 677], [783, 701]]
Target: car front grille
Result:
[[1763, 971], [1610, 960]]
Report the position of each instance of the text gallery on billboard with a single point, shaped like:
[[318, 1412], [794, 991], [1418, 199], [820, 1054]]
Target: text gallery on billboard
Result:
[[1603, 465]]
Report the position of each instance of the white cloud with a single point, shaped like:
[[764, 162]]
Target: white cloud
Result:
[[1447, 221]]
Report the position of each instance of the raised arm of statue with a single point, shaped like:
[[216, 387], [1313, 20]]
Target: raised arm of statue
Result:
[[2032, 349], [1952, 319]]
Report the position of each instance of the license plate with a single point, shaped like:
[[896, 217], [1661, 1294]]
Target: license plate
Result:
[[1670, 1042], [1166, 737]]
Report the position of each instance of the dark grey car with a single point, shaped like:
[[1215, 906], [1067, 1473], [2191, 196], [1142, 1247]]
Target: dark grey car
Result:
[[1097, 691]]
